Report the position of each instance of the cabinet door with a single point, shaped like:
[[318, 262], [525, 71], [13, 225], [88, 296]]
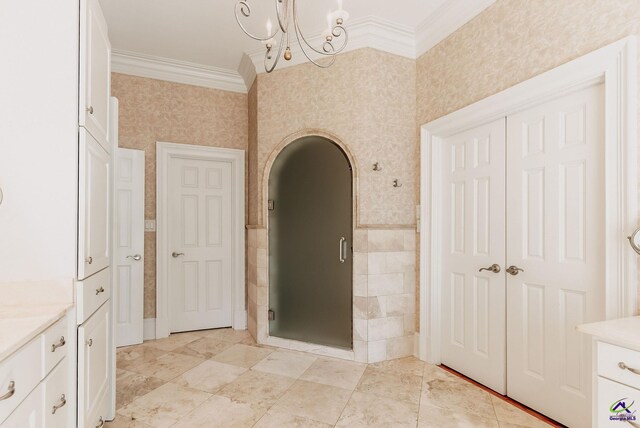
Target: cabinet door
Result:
[[95, 72], [93, 364], [29, 413], [616, 405], [93, 203]]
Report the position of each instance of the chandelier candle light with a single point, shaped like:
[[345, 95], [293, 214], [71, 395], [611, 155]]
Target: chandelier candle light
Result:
[[287, 13]]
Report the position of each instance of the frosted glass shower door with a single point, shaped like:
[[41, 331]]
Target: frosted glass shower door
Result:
[[310, 244]]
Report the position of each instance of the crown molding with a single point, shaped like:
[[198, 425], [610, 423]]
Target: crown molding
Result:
[[448, 18], [176, 71], [367, 32], [247, 70]]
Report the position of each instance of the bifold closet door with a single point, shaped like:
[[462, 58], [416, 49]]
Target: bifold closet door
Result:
[[473, 238], [555, 233]]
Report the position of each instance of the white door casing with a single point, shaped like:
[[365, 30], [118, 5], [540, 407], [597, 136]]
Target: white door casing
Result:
[[128, 242], [200, 241], [555, 230], [473, 180], [166, 154]]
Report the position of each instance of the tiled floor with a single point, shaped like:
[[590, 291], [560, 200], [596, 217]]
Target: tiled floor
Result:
[[221, 378]]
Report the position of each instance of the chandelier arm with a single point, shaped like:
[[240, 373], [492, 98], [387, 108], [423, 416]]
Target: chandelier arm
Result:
[[283, 20], [300, 35], [316, 63], [244, 8], [338, 31], [275, 63]]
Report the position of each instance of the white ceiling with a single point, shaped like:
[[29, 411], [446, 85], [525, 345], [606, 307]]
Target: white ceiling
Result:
[[204, 33]]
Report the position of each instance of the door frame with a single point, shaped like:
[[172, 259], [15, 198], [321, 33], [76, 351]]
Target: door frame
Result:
[[614, 65], [164, 153]]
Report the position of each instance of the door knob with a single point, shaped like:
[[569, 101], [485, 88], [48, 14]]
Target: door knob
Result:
[[514, 270], [495, 268], [137, 257], [176, 255]]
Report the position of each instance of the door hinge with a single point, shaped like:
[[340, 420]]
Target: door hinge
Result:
[[271, 205], [272, 315]]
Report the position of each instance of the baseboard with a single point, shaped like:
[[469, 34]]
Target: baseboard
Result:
[[149, 329], [240, 320]]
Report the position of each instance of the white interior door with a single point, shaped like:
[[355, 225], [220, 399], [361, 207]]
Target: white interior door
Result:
[[473, 237], [200, 238], [555, 233], [129, 246]]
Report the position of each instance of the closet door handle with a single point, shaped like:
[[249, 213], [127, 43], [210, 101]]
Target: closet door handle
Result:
[[10, 391], [495, 268], [60, 343], [341, 255]]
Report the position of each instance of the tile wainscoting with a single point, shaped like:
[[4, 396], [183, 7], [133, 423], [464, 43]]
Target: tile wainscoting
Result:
[[384, 287]]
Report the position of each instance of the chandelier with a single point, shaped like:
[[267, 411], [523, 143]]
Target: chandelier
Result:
[[287, 13]]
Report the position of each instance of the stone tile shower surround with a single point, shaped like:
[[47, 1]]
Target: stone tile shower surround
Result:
[[384, 285]]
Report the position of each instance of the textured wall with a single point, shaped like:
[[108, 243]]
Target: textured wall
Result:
[[512, 41], [154, 110], [367, 99]]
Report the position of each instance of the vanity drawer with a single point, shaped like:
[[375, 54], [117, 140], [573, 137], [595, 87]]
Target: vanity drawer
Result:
[[91, 293], [612, 395], [20, 374], [56, 394], [619, 364], [54, 345]]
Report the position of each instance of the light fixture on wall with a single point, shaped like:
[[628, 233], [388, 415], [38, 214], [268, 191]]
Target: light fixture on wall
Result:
[[287, 13]]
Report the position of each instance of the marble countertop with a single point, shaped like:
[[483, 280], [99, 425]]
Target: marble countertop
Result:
[[625, 331], [29, 308]]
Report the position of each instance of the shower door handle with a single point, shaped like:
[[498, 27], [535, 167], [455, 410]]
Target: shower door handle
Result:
[[341, 255]]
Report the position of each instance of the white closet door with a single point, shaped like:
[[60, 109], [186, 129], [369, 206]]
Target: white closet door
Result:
[[473, 210], [200, 280], [128, 241], [555, 232]]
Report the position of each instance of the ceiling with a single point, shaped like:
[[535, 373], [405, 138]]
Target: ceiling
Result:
[[204, 33]]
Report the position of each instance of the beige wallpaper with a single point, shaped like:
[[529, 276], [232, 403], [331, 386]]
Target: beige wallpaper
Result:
[[512, 41], [154, 110], [367, 99]]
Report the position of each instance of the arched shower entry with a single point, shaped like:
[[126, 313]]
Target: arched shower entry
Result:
[[310, 243]]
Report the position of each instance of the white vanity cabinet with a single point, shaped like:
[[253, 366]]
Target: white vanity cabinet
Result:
[[93, 206], [95, 72], [93, 361], [616, 372], [38, 383]]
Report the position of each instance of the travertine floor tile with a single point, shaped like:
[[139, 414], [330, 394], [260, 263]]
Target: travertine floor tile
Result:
[[258, 388], [408, 365], [132, 356], [285, 363], [452, 393], [133, 386], [125, 422], [222, 412], [203, 347], [398, 386], [165, 405], [314, 401], [343, 374], [242, 355], [209, 376], [507, 413], [225, 334], [278, 420], [435, 417], [368, 410], [175, 340], [168, 366]]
